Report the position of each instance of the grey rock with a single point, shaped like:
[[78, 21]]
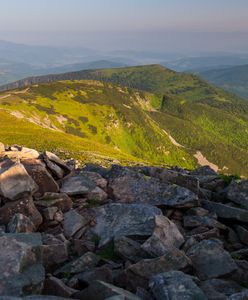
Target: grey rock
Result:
[[57, 171], [85, 262], [219, 288], [77, 184], [97, 178], [60, 200], [116, 220], [129, 249], [100, 290], [56, 287], [175, 285], [21, 271], [129, 186], [20, 223], [242, 234], [165, 236], [197, 221], [55, 159], [239, 296], [226, 212], [210, 260], [97, 194], [102, 273], [73, 222], [55, 251], [237, 192], [139, 274], [15, 182]]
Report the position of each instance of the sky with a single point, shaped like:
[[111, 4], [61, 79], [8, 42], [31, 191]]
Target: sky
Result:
[[123, 21]]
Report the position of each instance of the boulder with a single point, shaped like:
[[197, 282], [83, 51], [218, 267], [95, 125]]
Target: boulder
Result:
[[220, 288], [37, 170], [239, 296], [139, 274], [175, 285], [97, 194], [117, 220], [129, 186], [57, 171], [22, 153], [226, 212], [21, 271], [60, 200], [56, 287], [100, 290], [25, 206], [73, 222], [237, 192], [197, 221], [210, 260], [97, 178], [55, 159], [129, 249], [15, 182], [102, 273], [55, 251], [77, 184], [20, 224], [165, 236], [242, 234], [85, 262]]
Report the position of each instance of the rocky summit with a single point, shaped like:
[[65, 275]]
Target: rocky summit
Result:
[[120, 233]]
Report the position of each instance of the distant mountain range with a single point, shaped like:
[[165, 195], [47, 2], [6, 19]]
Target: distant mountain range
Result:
[[145, 114], [233, 79]]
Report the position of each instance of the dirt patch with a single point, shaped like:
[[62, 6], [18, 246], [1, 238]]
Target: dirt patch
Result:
[[202, 161]]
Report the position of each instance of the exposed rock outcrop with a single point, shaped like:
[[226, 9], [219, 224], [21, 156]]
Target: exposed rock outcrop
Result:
[[147, 233]]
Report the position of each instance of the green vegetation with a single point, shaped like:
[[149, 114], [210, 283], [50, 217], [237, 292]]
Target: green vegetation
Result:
[[233, 79], [130, 115]]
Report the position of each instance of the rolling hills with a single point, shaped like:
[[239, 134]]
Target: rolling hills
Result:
[[146, 114], [233, 79]]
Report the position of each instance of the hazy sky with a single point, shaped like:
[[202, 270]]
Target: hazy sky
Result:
[[131, 19]]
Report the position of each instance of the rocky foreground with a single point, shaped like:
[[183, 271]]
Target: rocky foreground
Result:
[[121, 233]]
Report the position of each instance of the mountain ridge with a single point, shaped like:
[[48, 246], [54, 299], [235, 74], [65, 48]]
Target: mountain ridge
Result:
[[158, 115]]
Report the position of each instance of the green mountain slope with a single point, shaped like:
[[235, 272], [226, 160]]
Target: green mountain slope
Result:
[[144, 113], [233, 79]]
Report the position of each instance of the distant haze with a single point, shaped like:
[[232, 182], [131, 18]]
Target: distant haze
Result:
[[159, 25]]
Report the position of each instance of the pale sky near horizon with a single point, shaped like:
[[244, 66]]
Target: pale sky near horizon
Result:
[[37, 21], [124, 15]]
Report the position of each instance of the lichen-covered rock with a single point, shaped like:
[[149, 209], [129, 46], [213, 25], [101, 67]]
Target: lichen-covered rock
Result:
[[21, 271], [226, 212], [237, 192], [116, 220], [210, 260], [175, 285], [139, 274], [20, 224], [129, 186], [100, 290], [86, 262]]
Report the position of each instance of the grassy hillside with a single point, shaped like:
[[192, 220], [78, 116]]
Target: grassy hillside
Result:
[[233, 79], [89, 116], [148, 114]]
